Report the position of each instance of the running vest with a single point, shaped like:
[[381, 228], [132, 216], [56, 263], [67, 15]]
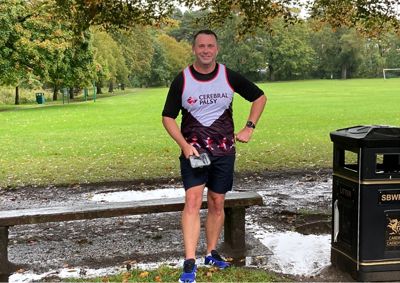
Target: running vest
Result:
[[207, 122]]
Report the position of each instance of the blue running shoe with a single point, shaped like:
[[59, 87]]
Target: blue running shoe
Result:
[[216, 260], [189, 272]]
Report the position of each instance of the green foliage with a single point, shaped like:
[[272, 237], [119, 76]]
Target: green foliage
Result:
[[137, 48], [160, 66], [242, 54], [110, 62], [390, 46], [190, 23], [122, 138], [24, 40], [288, 52], [177, 54], [366, 15], [370, 17], [40, 48]]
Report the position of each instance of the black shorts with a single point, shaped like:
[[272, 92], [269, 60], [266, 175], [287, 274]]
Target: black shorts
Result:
[[218, 177]]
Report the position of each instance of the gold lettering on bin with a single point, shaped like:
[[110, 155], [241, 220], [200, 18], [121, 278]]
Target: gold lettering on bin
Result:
[[390, 197], [393, 233]]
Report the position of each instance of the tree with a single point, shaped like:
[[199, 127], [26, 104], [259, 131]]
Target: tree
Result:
[[188, 24], [110, 62], [390, 50], [137, 48], [242, 54], [325, 43], [372, 62], [29, 33], [177, 54], [70, 65], [288, 51], [368, 15], [159, 66], [349, 56], [339, 52]]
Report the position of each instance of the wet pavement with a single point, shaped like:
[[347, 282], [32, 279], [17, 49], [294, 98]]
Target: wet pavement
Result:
[[289, 235]]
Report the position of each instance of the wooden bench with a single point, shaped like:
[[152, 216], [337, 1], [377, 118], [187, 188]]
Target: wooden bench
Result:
[[234, 230]]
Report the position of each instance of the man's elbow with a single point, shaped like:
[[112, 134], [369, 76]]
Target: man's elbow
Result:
[[166, 120], [262, 100]]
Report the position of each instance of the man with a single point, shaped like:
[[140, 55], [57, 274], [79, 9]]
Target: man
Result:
[[204, 93]]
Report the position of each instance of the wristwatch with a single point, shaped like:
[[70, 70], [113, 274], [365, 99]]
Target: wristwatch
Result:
[[250, 124]]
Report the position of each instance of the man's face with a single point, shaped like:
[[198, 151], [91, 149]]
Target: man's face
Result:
[[205, 49]]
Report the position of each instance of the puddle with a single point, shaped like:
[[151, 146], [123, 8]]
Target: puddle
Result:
[[78, 273], [294, 253], [138, 195]]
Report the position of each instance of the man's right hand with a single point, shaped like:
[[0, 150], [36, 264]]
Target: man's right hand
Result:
[[189, 150]]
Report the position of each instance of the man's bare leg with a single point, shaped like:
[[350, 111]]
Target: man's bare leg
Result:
[[191, 220], [215, 219]]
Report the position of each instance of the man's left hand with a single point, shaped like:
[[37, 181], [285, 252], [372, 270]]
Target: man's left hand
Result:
[[244, 135]]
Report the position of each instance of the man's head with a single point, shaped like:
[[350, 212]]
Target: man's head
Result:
[[205, 48], [204, 31]]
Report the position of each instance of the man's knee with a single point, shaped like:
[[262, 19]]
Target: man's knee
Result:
[[216, 203], [193, 200]]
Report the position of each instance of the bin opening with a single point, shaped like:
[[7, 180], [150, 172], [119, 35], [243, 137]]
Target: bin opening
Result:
[[350, 161], [387, 163]]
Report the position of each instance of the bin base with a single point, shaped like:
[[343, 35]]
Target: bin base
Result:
[[346, 264]]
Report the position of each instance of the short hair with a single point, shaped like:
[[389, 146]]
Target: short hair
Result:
[[204, 31]]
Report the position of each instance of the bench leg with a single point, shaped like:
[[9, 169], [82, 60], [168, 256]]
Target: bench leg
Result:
[[234, 229], [4, 264]]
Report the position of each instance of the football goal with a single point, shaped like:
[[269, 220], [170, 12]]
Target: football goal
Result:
[[391, 73]]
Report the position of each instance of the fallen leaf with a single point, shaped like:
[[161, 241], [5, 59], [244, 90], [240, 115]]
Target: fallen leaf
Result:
[[144, 274], [158, 279], [125, 277]]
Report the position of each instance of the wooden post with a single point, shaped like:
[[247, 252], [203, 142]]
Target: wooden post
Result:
[[234, 229], [4, 264]]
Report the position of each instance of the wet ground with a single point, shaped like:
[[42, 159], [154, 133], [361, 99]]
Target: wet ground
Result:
[[297, 208]]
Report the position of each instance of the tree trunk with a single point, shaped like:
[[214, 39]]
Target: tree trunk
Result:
[[344, 71], [98, 86], [111, 87], [71, 92], [122, 86], [55, 93], [16, 95], [271, 73]]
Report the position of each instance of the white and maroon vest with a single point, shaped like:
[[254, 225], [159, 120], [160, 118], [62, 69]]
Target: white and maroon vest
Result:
[[208, 123]]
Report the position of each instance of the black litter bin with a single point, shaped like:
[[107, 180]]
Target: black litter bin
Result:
[[40, 98], [366, 202]]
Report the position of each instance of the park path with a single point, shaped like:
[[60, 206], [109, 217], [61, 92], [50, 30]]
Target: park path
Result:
[[101, 243]]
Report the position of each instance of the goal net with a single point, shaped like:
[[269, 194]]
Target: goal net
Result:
[[391, 73]]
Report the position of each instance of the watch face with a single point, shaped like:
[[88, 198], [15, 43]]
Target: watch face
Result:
[[250, 124]]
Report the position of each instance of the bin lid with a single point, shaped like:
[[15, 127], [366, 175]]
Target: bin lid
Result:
[[368, 136]]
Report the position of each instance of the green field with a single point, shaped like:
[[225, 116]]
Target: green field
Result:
[[122, 138]]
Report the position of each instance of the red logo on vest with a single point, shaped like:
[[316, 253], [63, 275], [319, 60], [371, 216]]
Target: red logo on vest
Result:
[[191, 100]]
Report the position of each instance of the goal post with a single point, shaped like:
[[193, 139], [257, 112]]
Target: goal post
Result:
[[391, 69]]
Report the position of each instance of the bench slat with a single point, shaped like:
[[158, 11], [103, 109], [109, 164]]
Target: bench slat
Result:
[[114, 209]]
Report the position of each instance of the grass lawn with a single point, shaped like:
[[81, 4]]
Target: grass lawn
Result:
[[121, 137], [204, 274]]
